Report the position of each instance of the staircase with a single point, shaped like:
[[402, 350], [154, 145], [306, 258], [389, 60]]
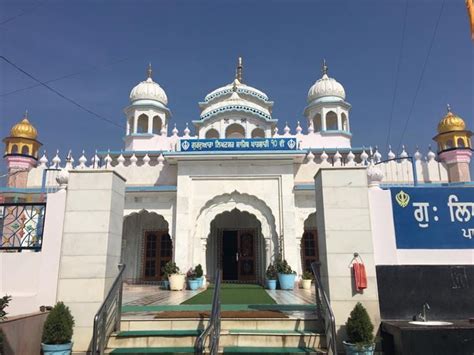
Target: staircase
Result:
[[294, 333]]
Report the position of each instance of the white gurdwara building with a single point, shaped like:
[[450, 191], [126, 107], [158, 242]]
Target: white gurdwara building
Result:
[[238, 192]]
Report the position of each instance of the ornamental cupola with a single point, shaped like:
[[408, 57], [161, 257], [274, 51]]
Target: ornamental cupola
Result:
[[21, 152], [327, 112], [147, 115], [454, 146], [236, 110], [22, 139], [452, 133]]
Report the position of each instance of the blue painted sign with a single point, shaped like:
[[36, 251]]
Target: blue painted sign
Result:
[[433, 218], [237, 144]]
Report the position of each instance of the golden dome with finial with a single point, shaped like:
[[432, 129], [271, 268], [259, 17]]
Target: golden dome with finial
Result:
[[24, 129], [451, 122]]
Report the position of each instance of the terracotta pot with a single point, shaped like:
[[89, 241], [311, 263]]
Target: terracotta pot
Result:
[[176, 282]]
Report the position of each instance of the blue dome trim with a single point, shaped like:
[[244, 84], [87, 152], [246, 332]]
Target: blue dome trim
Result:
[[222, 92], [240, 108]]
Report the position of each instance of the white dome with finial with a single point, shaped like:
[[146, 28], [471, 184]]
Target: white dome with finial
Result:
[[326, 87], [148, 90]]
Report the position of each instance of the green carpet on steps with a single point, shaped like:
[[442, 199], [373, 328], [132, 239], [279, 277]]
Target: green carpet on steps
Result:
[[234, 294]]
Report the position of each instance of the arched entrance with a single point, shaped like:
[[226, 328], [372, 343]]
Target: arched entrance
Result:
[[146, 246], [236, 246], [267, 246], [309, 243]]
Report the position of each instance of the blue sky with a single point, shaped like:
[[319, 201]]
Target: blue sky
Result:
[[193, 46]]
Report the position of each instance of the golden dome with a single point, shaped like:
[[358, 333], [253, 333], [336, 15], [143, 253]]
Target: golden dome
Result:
[[24, 129], [451, 122]]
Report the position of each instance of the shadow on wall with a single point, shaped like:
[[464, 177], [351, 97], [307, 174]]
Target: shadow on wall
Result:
[[448, 289], [22, 334]]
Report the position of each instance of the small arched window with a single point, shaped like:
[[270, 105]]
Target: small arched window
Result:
[[331, 121], [258, 133], [461, 143], [212, 134], [449, 144], [317, 123], [25, 150], [235, 131], [142, 124], [157, 125], [14, 149], [345, 125]]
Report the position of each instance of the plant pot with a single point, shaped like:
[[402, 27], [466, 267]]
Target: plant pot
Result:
[[353, 349], [176, 282], [166, 285], [202, 281], [306, 284], [271, 284], [193, 284], [287, 281], [56, 349]]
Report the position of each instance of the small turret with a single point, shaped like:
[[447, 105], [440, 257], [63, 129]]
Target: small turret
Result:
[[454, 146], [21, 152]]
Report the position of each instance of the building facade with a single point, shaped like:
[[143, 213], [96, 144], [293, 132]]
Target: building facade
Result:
[[237, 193]]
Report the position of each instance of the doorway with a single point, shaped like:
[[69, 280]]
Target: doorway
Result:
[[157, 252], [238, 257]]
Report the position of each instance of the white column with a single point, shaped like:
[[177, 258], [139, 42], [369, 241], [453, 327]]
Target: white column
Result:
[[150, 123], [90, 255], [135, 122], [323, 120], [339, 121]]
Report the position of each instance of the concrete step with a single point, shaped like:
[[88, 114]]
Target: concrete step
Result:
[[228, 338], [161, 350], [226, 324], [227, 350]]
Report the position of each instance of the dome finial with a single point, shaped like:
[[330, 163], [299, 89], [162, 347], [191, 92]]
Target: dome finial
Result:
[[448, 107], [240, 67], [149, 71], [325, 67], [26, 114]]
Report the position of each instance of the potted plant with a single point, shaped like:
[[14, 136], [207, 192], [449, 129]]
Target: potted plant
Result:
[[3, 315], [286, 276], [193, 281], [199, 275], [359, 328], [306, 280], [271, 277], [167, 270], [57, 331], [175, 278]]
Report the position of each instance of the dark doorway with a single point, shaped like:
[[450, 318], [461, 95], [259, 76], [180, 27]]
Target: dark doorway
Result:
[[309, 249], [238, 255], [229, 255]]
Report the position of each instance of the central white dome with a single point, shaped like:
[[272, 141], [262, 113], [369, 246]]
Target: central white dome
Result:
[[326, 86], [148, 90]]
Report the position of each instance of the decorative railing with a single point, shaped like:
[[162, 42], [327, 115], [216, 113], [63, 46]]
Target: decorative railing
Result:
[[21, 226], [213, 329], [108, 317], [324, 311]]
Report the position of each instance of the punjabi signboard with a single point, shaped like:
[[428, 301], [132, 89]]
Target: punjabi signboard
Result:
[[237, 144], [433, 218]]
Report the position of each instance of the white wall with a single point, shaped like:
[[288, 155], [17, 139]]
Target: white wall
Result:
[[31, 278], [386, 252]]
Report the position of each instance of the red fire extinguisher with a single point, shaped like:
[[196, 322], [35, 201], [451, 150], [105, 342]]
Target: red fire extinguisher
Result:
[[358, 273]]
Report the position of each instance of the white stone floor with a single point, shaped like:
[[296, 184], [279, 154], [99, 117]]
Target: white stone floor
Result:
[[151, 295]]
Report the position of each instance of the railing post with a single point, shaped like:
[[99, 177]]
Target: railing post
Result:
[[119, 299]]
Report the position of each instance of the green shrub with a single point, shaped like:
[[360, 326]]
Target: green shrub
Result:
[[359, 327], [58, 326], [4, 301], [1, 341], [170, 268], [307, 275], [271, 272], [283, 267], [198, 271]]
